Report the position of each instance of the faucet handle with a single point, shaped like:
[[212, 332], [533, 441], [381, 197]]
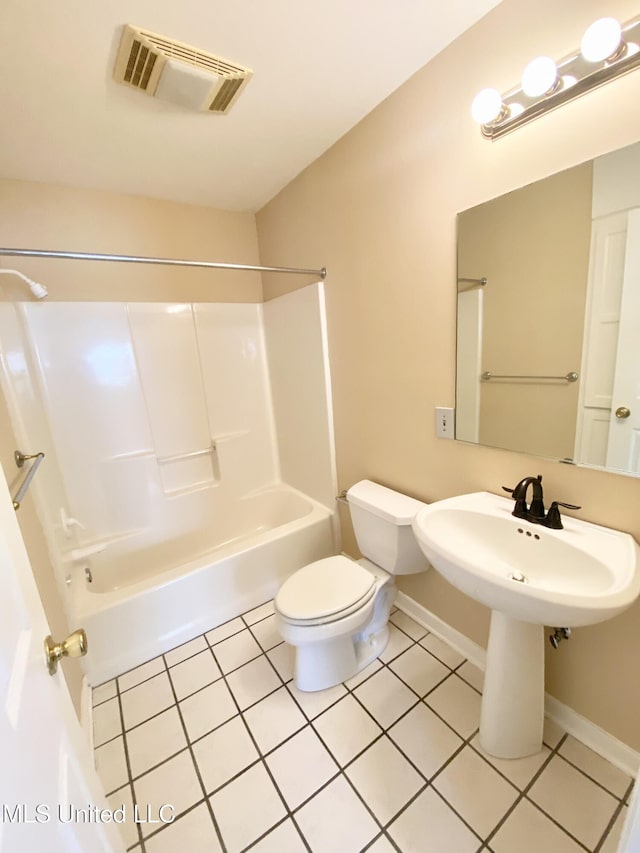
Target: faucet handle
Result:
[[507, 489], [553, 519]]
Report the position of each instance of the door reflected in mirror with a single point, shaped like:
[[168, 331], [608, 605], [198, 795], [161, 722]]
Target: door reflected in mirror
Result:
[[548, 355]]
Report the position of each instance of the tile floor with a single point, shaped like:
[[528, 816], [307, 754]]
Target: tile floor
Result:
[[389, 760]]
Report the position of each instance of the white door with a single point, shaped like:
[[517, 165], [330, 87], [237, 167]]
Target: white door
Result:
[[45, 760], [469, 359], [623, 448]]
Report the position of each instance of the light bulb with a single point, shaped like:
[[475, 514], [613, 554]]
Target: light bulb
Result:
[[486, 106], [601, 40], [539, 76]]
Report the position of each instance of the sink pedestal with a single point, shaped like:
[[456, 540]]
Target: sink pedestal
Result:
[[512, 715]]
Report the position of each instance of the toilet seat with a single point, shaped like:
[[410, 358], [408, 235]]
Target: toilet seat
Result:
[[325, 591]]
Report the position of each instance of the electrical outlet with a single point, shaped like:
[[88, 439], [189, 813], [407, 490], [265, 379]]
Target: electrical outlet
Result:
[[444, 422]]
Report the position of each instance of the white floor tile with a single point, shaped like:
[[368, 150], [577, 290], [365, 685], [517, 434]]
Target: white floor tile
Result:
[[528, 830], [398, 642], [346, 729], [385, 697], [612, 841], [226, 630], [246, 808], [283, 659], [259, 613], [253, 682], [350, 826], [266, 633], [191, 833], [147, 699], [594, 765], [123, 799], [224, 753], [361, 676], [236, 650], [111, 765], [382, 845], [301, 766], [103, 692], [194, 673], [419, 669], [458, 704], [155, 740], [473, 675], [384, 779], [185, 651], [425, 739], [552, 733], [285, 838], [274, 719], [520, 771], [318, 701], [474, 789], [408, 625], [574, 801], [140, 674], [442, 650], [207, 709], [428, 824], [174, 783], [106, 722]]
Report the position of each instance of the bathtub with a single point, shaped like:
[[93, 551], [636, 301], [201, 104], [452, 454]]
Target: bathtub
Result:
[[144, 602]]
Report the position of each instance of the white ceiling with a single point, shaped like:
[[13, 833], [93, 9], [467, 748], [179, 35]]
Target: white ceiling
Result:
[[319, 67]]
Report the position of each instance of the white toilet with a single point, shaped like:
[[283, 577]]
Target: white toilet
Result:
[[336, 611]]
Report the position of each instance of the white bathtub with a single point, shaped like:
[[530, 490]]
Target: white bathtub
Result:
[[141, 604]]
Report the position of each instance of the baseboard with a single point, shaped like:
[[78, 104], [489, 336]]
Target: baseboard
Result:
[[619, 754], [86, 711]]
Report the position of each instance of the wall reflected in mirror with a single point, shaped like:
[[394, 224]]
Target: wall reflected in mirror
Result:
[[548, 343]]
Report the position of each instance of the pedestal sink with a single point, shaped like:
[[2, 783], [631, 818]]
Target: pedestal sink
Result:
[[530, 576]]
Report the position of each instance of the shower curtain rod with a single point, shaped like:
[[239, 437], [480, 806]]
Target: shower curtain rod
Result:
[[134, 259]]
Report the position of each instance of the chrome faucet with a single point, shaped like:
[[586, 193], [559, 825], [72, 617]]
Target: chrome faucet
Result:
[[535, 512]]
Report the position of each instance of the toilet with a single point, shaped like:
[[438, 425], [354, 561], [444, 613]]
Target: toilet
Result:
[[335, 611]]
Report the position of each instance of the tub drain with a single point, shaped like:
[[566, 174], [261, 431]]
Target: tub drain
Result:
[[518, 576]]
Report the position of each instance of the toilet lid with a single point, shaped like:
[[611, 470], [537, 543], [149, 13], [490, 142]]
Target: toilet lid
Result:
[[323, 589]]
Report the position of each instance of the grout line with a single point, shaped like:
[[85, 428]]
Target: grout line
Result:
[[340, 770], [128, 764], [593, 779], [193, 760], [261, 757]]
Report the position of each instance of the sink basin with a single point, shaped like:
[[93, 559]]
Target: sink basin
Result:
[[530, 576], [577, 576]]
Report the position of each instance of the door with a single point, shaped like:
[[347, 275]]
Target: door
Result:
[[46, 764], [623, 448]]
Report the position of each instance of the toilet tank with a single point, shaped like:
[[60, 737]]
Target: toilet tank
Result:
[[382, 525]]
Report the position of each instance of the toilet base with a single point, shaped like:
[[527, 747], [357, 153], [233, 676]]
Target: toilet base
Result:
[[319, 666]]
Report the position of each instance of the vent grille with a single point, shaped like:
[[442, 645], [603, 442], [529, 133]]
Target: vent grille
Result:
[[142, 57]]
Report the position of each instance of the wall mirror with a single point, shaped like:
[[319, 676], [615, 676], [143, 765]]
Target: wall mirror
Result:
[[548, 343]]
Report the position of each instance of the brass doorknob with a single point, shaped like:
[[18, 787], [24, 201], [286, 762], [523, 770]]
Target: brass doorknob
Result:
[[622, 412], [75, 646]]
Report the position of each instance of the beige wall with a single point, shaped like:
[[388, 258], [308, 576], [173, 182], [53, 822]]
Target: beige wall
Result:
[[43, 216], [379, 210], [533, 247]]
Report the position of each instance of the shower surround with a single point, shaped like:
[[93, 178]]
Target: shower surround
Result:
[[188, 464]]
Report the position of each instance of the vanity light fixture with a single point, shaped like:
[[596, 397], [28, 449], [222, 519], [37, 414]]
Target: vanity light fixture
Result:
[[608, 50]]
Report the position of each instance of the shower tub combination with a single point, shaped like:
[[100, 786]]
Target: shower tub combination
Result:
[[128, 621], [188, 466]]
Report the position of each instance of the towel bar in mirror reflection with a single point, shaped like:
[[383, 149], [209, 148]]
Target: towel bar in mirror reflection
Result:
[[559, 258]]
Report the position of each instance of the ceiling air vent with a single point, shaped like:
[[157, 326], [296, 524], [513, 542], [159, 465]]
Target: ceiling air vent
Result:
[[177, 72]]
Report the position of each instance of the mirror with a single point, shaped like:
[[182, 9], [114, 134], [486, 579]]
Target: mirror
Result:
[[548, 344]]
